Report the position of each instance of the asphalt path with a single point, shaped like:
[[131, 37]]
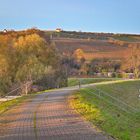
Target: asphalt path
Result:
[[47, 116]]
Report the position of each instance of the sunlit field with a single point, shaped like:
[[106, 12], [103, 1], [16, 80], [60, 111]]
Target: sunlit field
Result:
[[83, 81]]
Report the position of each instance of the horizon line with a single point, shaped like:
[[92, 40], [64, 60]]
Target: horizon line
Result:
[[70, 30]]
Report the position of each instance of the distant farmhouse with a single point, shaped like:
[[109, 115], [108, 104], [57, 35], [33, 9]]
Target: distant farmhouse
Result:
[[5, 30], [58, 30]]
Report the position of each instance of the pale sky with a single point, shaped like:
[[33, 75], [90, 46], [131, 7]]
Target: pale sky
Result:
[[118, 16]]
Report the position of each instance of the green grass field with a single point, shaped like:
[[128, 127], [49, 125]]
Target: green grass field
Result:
[[75, 81], [128, 38], [110, 116]]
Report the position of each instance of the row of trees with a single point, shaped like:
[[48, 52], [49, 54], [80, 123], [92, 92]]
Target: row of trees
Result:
[[29, 58]]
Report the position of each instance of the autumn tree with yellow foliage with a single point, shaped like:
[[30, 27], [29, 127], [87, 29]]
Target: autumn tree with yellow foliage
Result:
[[28, 58]]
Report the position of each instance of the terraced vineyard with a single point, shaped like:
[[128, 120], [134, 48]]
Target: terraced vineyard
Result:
[[92, 48]]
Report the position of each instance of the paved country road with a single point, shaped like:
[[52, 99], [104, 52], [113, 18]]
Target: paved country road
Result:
[[47, 117]]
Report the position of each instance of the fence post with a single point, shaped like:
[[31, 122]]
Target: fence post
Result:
[[79, 83]]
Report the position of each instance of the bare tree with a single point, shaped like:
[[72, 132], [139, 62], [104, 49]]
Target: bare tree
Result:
[[132, 61]]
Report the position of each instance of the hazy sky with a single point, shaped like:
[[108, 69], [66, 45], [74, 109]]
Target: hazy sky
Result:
[[86, 15]]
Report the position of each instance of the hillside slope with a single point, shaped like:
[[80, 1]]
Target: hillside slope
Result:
[[92, 48]]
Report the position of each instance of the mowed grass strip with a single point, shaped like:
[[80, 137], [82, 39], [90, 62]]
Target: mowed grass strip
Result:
[[75, 81], [109, 118]]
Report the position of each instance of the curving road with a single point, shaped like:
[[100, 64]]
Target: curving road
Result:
[[47, 117]]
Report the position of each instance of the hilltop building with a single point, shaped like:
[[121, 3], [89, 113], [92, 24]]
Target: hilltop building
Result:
[[5, 30], [58, 30]]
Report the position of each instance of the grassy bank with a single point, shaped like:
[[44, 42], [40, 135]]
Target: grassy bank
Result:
[[106, 115], [75, 81]]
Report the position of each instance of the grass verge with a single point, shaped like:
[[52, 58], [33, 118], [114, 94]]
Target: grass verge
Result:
[[75, 81]]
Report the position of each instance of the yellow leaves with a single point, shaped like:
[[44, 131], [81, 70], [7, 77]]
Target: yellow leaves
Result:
[[90, 112], [3, 65], [20, 44], [31, 44], [79, 54], [31, 68]]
